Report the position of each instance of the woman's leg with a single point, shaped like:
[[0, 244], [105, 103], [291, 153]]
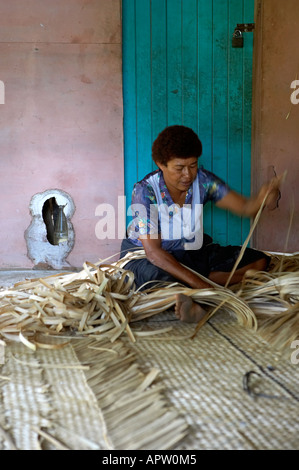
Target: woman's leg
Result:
[[145, 272], [221, 277], [188, 311]]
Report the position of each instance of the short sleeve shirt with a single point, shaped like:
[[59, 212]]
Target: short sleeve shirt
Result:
[[154, 213]]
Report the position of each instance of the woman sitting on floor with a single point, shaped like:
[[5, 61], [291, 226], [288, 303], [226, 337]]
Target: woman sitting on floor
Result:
[[167, 208]]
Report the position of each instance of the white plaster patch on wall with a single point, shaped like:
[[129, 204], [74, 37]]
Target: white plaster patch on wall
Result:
[[40, 250]]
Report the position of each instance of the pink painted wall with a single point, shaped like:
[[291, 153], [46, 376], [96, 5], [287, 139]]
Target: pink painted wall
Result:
[[61, 125], [276, 119]]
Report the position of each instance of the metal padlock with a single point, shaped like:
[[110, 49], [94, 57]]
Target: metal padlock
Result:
[[238, 39]]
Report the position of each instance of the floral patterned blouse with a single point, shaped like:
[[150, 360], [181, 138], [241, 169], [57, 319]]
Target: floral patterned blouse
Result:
[[154, 212]]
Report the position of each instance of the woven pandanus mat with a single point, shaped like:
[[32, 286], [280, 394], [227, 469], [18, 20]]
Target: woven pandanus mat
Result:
[[234, 390], [225, 389], [46, 402], [88, 395]]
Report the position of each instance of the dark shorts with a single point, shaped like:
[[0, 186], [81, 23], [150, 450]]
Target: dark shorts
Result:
[[211, 257]]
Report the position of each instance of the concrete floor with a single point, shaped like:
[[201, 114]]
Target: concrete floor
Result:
[[10, 277]]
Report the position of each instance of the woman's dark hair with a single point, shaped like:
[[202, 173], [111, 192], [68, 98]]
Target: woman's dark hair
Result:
[[176, 142]]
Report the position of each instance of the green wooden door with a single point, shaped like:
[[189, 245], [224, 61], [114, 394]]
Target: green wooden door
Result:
[[179, 67]]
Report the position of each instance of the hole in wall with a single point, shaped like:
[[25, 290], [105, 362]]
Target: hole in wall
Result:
[[55, 221], [50, 237], [50, 211]]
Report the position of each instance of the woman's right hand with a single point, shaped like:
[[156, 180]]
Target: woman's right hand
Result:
[[164, 260]]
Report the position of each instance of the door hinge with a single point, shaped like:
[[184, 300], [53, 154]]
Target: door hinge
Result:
[[238, 39]]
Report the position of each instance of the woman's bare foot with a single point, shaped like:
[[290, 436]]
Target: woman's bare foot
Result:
[[188, 311]]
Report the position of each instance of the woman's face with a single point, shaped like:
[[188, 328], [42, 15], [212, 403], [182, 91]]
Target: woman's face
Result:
[[179, 173]]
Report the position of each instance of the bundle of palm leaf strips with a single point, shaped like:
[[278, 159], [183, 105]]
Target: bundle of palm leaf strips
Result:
[[102, 300]]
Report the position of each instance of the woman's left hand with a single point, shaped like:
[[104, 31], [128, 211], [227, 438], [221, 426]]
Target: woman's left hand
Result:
[[273, 190]]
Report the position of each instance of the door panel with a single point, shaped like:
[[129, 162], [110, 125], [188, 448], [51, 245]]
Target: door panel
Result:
[[179, 67]]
